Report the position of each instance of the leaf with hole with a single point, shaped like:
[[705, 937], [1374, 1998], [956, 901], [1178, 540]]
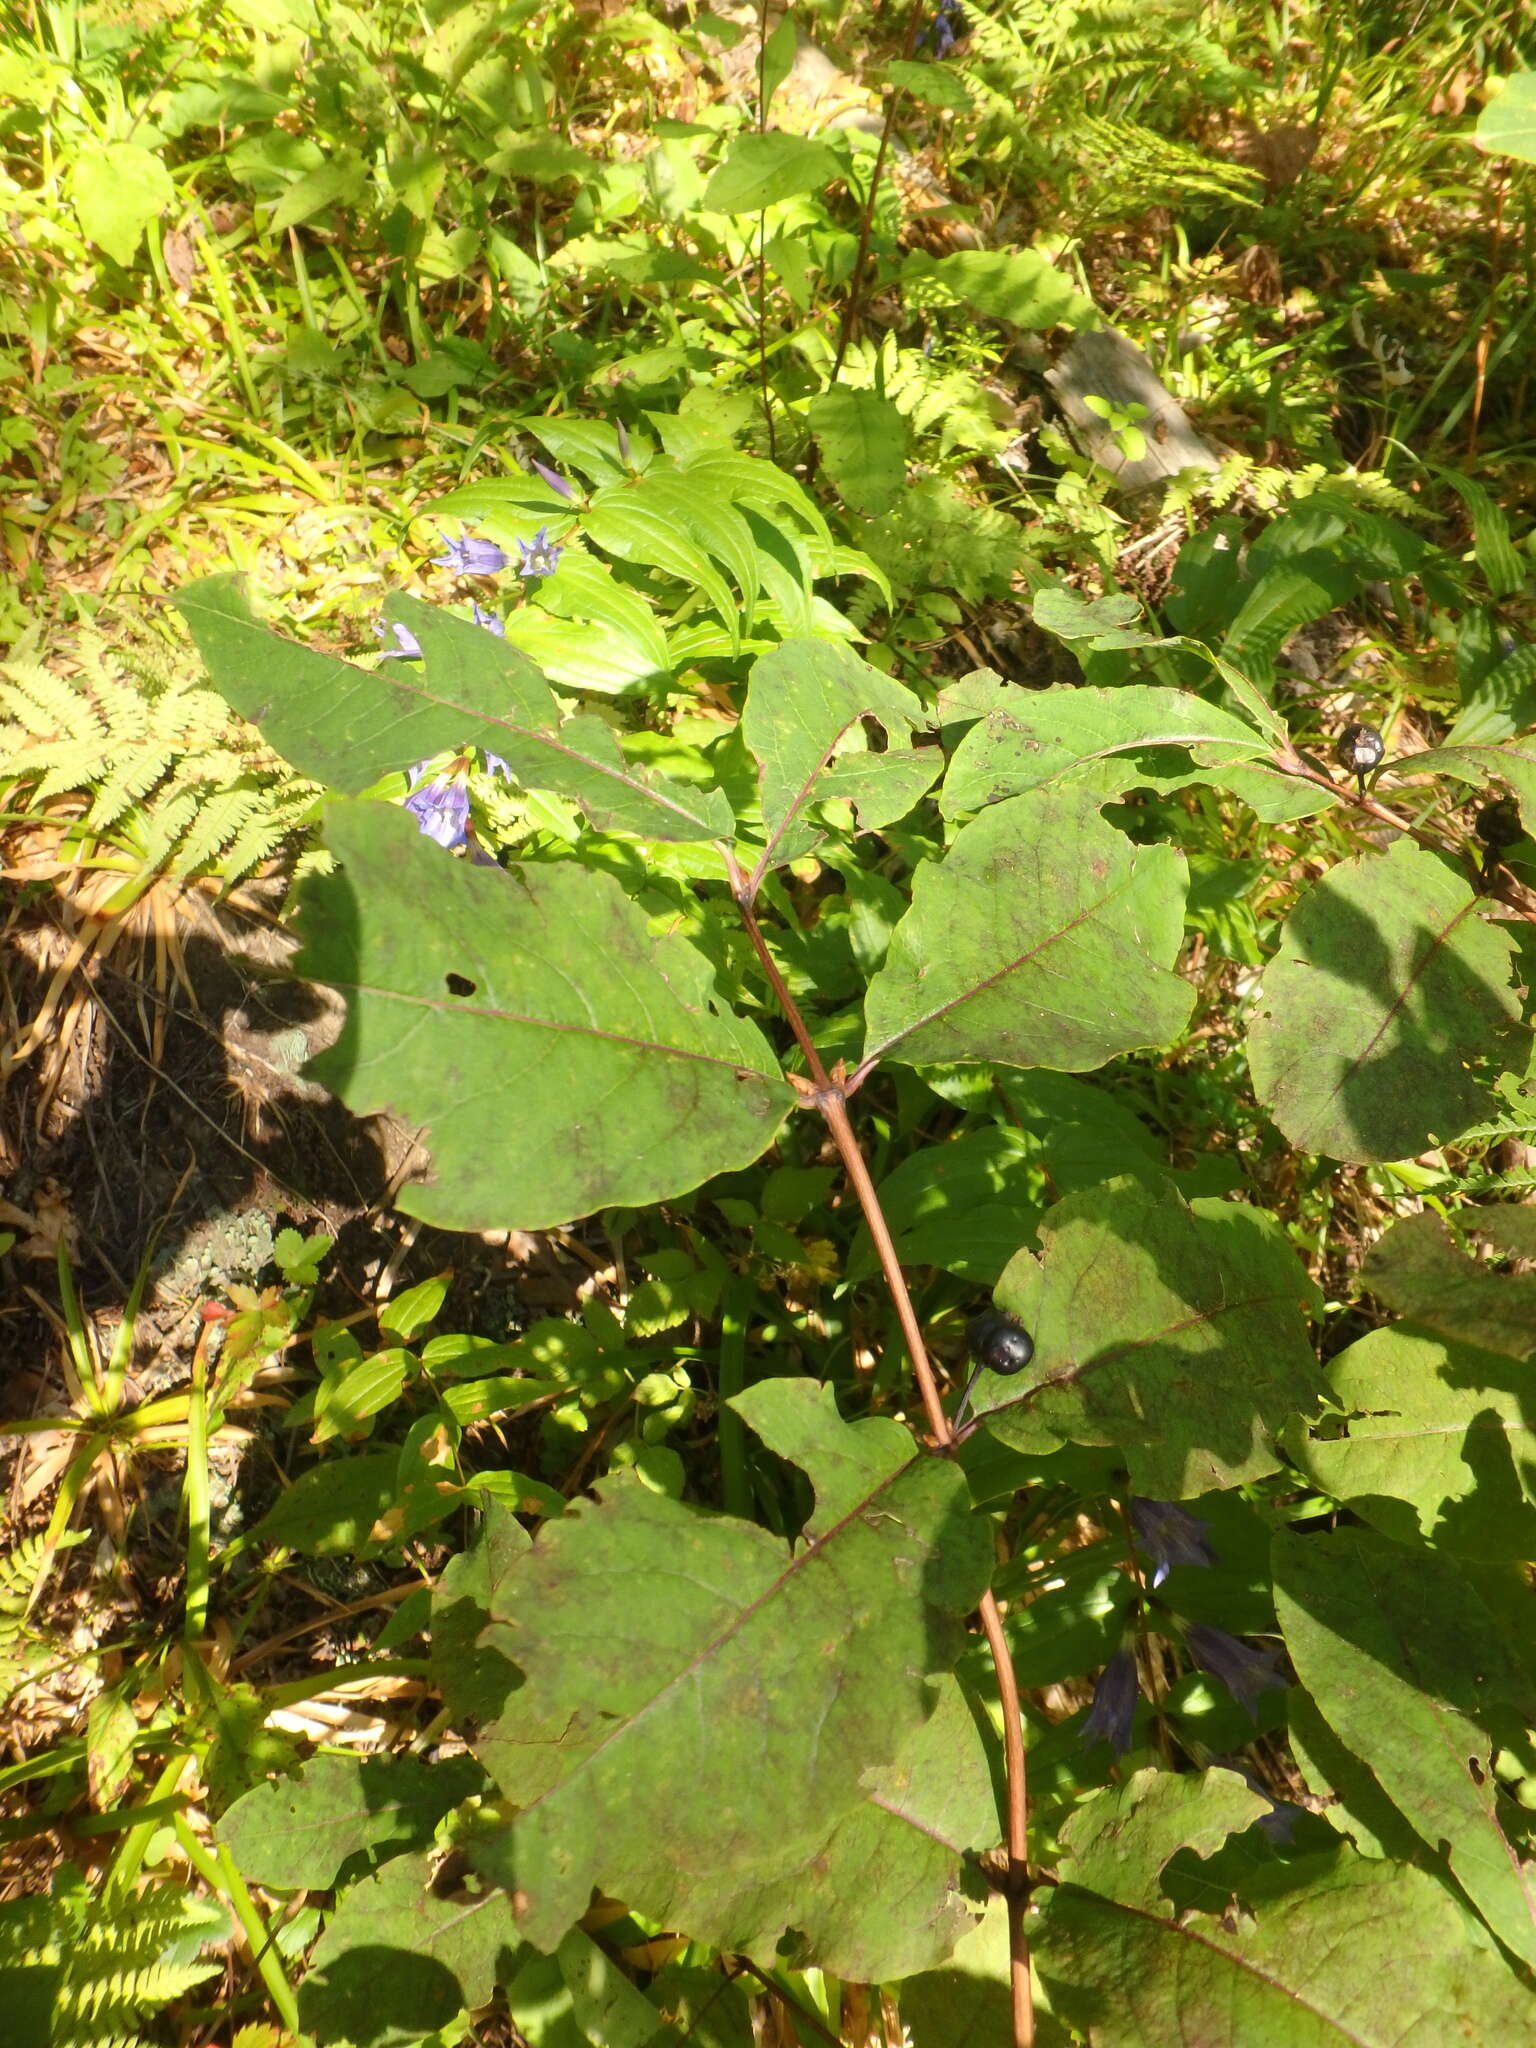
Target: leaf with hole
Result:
[[1299, 1966], [1039, 738], [557, 1056], [806, 701]]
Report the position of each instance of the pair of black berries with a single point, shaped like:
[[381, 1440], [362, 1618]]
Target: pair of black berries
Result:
[[997, 1343], [1362, 750]]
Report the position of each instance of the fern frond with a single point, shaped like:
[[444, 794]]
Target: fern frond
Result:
[[171, 775], [118, 1962]]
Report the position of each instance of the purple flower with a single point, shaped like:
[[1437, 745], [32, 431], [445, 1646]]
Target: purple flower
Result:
[[553, 478], [1280, 1821], [467, 557], [497, 766], [492, 621], [409, 648], [1114, 1705], [1243, 1670], [441, 808], [944, 30], [1169, 1536], [541, 556]]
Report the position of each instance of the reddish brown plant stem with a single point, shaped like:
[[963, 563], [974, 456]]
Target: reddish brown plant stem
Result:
[[1434, 842], [826, 1093]]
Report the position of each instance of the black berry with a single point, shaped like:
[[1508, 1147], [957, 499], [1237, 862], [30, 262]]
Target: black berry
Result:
[[1498, 824], [1361, 748], [999, 1342]]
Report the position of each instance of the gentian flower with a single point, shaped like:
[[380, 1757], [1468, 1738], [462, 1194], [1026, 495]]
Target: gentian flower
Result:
[[1280, 1821], [441, 808], [541, 555], [409, 648], [553, 478], [1169, 1536], [492, 621], [497, 766], [1113, 1710], [467, 557], [1243, 1670], [942, 33]]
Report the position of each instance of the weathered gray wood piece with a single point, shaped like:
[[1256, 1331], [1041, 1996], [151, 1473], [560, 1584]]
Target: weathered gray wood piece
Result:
[[1103, 364]]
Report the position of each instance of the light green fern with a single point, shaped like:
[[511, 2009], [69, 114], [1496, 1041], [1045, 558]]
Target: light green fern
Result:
[[93, 1970], [169, 775]]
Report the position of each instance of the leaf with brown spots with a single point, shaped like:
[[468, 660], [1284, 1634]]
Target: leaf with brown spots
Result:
[[1387, 1013], [1174, 1331], [1313, 1953], [558, 1055], [1044, 938], [704, 1708]]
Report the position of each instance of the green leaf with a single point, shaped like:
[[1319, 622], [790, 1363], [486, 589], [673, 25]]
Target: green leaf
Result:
[[604, 2003], [1514, 763], [475, 1680], [346, 727], [965, 1206], [295, 1834], [1357, 1806], [932, 84], [1305, 587], [1507, 124], [1043, 737], [883, 1897], [338, 183], [1102, 621], [117, 189], [968, 2001], [1493, 549], [863, 440], [640, 520], [1498, 703], [701, 1703], [1175, 1332], [1387, 1011], [1021, 286], [407, 1314], [334, 1507], [707, 2007], [777, 59], [1407, 1665], [760, 170], [805, 699], [1417, 1268], [557, 1056], [398, 1958], [1312, 1963], [1439, 1444], [1043, 938]]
